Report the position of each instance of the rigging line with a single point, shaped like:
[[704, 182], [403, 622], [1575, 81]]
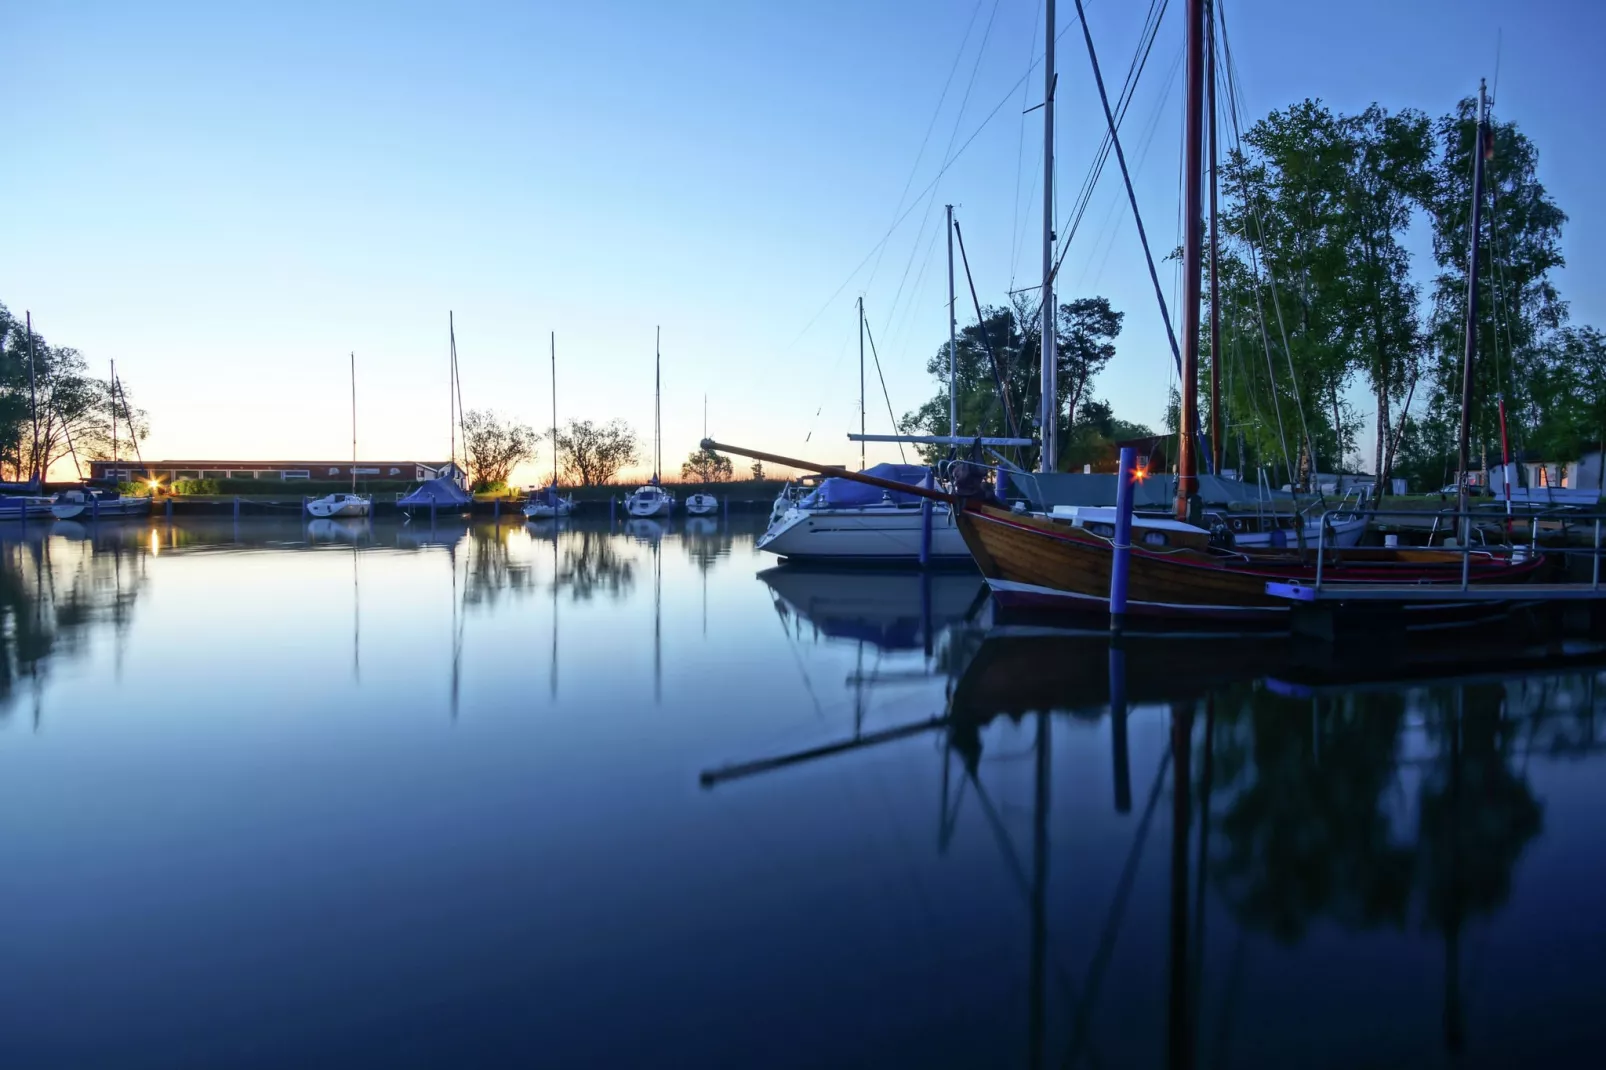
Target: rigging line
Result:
[[1015, 230], [879, 375], [1126, 177], [1250, 201], [931, 125], [898, 336], [981, 323], [909, 210], [931, 199]]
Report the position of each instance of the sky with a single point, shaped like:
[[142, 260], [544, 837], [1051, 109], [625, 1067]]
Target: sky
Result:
[[229, 199]]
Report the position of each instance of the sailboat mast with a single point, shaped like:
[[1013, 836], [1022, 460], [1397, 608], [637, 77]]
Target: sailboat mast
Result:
[[953, 350], [1187, 503], [657, 405], [451, 385], [1470, 353], [861, 381], [553, 340], [33, 409], [114, 419], [354, 421], [1215, 252], [1050, 370]]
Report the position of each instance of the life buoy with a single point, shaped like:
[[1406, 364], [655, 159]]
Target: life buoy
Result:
[[1237, 525]]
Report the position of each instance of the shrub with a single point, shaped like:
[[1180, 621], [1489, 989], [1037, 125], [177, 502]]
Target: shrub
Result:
[[195, 486]]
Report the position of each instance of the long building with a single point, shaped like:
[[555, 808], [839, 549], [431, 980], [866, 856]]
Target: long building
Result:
[[400, 471]]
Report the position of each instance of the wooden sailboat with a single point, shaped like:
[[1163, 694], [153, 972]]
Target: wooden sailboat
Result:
[[545, 504], [350, 503]]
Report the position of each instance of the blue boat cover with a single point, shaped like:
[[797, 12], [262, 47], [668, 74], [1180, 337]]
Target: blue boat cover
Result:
[[442, 491], [839, 493]]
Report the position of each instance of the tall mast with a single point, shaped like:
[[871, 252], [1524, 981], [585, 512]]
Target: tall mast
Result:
[[1050, 370], [114, 419], [1187, 503], [657, 405], [861, 381], [1472, 296], [1215, 253], [553, 339], [33, 409], [354, 421], [953, 354], [451, 385]]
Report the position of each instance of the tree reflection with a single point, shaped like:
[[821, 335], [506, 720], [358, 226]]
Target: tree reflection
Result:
[[54, 593], [592, 565], [491, 570]]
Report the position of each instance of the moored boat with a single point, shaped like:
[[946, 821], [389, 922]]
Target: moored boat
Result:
[[94, 503], [339, 505], [702, 504]]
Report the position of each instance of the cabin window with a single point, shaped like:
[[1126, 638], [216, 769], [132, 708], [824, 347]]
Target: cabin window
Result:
[[1154, 538], [1105, 530]]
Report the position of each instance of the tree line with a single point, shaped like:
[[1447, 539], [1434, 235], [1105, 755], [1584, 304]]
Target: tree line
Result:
[[1319, 295], [589, 453], [53, 409]]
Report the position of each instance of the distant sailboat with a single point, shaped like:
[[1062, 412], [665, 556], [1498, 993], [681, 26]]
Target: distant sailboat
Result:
[[701, 503], [444, 493], [345, 504], [94, 502], [545, 504], [652, 499]]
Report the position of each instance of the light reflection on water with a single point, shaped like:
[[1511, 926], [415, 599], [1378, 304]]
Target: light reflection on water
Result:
[[275, 793]]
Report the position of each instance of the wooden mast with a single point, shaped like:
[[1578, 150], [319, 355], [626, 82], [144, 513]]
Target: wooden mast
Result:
[[1472, 303], [1187, 503], [1215, 252]]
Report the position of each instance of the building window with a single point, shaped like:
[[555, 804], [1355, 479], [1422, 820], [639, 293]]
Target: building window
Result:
[[267, 475], [243, 475], [295, 473], [1544, 475], [214, 475], [186, 475]]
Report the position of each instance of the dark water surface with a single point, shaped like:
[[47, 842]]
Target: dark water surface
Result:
[[291, 795]]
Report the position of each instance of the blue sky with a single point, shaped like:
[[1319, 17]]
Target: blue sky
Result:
[[227, 199]]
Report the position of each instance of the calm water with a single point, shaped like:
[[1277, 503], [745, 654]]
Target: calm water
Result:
[[280, 795]]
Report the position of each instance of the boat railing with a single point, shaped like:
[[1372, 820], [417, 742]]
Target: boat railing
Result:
[[1510, 550]]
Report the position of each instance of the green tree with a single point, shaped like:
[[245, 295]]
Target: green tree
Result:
[[706, 466]]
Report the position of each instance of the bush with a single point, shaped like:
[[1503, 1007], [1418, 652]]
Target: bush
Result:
[[195, 486], [134, 490]]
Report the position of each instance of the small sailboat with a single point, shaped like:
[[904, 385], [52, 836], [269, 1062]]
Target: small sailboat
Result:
[[444, 493], [651, 499], [91, 501], [347, 504], [702, 503], [546, 504]]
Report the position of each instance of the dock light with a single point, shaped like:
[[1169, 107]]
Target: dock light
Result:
[[1140, 472]]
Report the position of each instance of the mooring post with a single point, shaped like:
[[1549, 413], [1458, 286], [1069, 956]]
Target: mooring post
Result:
[[496, 510], [1595, 579], [94, 508], [1123, 537], [925, 523], [236, 507], [304, 501], [170, 509], [725, 506], [611, 506], [1118, 748]]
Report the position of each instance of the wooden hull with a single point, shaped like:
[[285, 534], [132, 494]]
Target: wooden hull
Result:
[[1034, 563]]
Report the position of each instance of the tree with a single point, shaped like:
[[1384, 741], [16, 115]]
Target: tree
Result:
[[75, 410], [706, 466], [494, 445], [1519, 308], [1085, 335], [592, 454], [758, 471]]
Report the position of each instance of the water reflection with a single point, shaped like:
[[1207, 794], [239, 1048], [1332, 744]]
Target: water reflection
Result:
[[971, 847]]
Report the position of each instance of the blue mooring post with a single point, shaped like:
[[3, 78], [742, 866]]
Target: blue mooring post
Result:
[[1123, 537], [925, 523], [94, 508], [1123, 766], [496, 510], [304, 500], [611, 506], [236, 508], [726, 506], [169, 509]]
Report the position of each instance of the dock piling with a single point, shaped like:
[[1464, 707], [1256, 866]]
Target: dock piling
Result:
[[236, 507], [169, 510], [925, 524], [1123, 537], [94, 508]]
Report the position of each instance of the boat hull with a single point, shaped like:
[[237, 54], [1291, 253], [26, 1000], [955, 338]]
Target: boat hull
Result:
[[877, 536], [1032, 563], [110, 507], [543, 511], [327, 510], [647, 510]]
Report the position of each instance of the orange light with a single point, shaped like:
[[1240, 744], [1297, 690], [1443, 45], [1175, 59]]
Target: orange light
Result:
[[1139, 474]]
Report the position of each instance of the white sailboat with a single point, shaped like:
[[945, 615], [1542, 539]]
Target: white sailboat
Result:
[[652, 500], [702, 503], [545, 503], [345, 504]]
